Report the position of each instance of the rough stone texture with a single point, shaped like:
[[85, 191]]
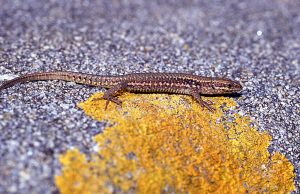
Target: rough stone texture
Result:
[[256, 42]]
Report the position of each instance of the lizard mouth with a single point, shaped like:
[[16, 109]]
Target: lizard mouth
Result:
[[235, 87]]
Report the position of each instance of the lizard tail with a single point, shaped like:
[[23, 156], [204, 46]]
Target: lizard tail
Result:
[[81, 78]]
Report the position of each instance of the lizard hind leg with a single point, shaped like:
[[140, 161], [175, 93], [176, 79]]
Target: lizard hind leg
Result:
[[110, 94]]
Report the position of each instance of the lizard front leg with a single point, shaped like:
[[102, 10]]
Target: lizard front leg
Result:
[[196, 95], [111, 93]]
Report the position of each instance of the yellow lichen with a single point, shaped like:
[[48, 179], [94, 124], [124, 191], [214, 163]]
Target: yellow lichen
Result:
[[168, 144]]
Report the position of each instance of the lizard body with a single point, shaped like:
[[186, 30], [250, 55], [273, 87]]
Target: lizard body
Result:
[[177, 83]]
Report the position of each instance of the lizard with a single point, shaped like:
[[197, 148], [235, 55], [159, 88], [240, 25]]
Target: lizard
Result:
[[175, 83]]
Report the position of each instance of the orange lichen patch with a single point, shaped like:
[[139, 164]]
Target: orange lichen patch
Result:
[[168, 144]]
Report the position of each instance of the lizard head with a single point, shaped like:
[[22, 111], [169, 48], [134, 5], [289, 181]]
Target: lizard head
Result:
[[221, 86]]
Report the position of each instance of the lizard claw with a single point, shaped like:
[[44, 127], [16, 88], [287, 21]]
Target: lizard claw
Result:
[[209, 102], [106, 104], [96, 99]]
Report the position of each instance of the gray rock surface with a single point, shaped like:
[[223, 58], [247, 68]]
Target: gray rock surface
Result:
[[256, 42]]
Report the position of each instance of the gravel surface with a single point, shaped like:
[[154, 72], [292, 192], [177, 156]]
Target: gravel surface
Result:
[[255, 42]]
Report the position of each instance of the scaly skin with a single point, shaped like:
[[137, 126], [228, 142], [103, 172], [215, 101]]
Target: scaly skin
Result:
[[177, 83]]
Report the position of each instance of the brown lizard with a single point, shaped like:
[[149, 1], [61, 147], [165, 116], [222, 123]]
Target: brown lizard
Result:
[[178, 83]]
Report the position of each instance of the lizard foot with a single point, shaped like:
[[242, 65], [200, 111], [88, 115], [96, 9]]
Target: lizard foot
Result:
[[111, 99], [207, 104]]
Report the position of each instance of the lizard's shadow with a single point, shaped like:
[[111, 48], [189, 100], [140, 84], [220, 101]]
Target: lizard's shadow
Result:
[[233, 95]]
